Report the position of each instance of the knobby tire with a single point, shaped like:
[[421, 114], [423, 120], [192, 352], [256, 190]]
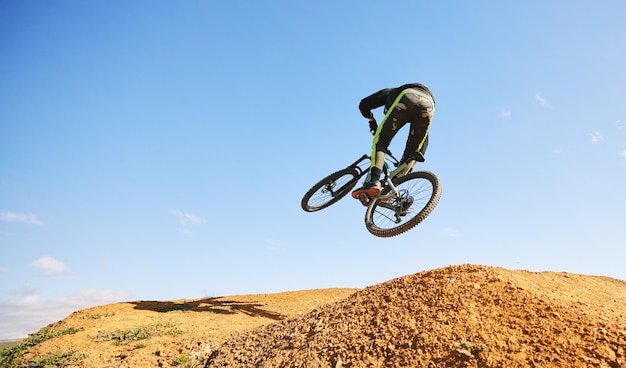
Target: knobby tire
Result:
[[424, 189], [330, 189]]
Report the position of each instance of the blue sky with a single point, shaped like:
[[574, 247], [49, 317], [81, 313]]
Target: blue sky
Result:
[[159, 150]]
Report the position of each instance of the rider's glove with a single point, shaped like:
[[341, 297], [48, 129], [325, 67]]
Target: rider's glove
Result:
[[373, 125]]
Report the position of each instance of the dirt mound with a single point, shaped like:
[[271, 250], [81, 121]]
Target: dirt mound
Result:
[[164, 333], [459, 316]]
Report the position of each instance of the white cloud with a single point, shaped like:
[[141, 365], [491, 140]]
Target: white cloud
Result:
[[505, 114], [596, 137], [26, 315], [623, 153], [542, 100], [52, 267], [17, 217], [618, 124], [25, 290], [3, 269], [557, 151], [186, 221]]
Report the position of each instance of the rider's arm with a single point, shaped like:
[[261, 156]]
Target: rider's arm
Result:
[[373, 101]]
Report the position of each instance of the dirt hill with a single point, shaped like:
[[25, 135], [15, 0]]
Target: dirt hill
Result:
[[458, 316]]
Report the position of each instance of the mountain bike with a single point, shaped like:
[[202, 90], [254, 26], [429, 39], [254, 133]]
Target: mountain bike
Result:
[[405, 200]]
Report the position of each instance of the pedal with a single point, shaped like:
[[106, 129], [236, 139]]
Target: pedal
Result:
[[364, 199]]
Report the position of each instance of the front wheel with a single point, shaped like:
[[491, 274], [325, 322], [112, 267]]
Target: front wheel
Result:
[[419, 193], [330, 189]]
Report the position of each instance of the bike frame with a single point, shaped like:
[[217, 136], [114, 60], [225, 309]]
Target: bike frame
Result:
[[400, 170], [401, 205]]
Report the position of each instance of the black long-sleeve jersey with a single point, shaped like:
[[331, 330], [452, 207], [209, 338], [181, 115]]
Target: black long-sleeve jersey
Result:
[[386, 97]]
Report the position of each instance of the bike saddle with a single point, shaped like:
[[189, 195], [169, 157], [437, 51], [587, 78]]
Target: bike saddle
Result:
[[417, 156]]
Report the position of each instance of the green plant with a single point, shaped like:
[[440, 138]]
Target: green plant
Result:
[[169, 329], [468, 348], [139, 333], [95, 316], [121, 337], [56, 360], [182, 359], [10, 356]]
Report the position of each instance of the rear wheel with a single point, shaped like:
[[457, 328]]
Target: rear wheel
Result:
[[330, 189], [419, 194]]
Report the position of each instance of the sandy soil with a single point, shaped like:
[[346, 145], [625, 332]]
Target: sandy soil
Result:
[[457, 316]]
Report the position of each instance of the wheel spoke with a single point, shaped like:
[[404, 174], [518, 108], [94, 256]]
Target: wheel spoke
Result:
[[329, 190], [419, 194]]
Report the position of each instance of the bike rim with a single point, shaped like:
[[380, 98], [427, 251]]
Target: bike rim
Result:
[[419, 195]]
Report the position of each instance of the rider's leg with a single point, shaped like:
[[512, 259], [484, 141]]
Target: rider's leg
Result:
[[417, 141], [424, 146], [412, 105], [387, 129], [418, 155], [371, 187], [421, 110], [377, 166]]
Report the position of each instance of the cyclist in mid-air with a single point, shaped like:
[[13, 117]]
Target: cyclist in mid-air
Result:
[[410, 103]]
